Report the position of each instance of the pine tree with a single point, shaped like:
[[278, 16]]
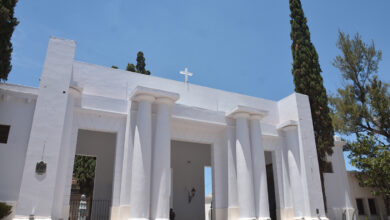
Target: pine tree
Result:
[[308, 80], [361, 110], [7, 27]]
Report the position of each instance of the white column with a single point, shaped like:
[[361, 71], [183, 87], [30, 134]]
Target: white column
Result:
[[59, 211], [161, 161], [124, 207], [287, 210], [294, 166], [246, 201], [259, 171], [141, 169]]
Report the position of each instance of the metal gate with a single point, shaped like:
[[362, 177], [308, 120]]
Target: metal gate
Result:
[[89, 209]]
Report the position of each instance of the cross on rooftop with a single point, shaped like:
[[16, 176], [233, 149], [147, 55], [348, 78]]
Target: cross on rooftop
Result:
[[186, 73]]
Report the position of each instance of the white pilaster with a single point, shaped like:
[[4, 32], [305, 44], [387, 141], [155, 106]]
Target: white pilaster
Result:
[[259, 170], [142, 153], [294, 166], [37, 192], [246, 200], [161, 161], [64, 160]]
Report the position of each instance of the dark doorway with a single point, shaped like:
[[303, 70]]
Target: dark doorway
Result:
[[271, 192]]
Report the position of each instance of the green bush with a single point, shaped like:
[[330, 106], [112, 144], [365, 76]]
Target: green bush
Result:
[[5, 210]]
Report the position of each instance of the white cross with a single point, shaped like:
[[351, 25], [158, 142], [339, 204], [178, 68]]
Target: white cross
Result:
[[186, 73]]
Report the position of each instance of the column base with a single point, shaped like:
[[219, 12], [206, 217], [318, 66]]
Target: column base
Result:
[[310, 218], [232, 213], [139, 219], [22, 217], [285, 213], [120, 212]]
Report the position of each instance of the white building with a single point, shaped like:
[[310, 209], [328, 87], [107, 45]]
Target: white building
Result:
[[152, 138]]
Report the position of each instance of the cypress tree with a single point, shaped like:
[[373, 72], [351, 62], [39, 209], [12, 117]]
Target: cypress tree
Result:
[[7, 27], [308, 80], [140, 67]]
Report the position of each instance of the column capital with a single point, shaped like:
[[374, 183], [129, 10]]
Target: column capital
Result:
[[247, 112], [164, 100], [287, 125], [143, 97], [156, 94], [75, 89], [257, 116]]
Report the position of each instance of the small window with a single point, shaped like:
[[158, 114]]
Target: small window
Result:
[[360, 206], [371, 204], [4, 132], [328, 168]]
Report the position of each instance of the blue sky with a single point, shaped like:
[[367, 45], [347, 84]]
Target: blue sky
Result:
[[239, 46]]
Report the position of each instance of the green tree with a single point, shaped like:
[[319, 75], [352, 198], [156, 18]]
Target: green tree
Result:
[[5, 210], [361, 109], [7, 27], [140, 67], [84, 172], [114, 67], [308, 80], [130, 67]]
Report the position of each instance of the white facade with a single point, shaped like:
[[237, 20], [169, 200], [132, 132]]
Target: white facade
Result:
[[146, 113]]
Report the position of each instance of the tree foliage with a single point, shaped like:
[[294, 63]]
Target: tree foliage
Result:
[[7, 27], [84, 172], [130, 67], [308, 80], [140, 67], [5, 210], [361, 109]]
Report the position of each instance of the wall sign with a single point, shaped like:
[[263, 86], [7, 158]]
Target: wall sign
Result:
[[40, 168]]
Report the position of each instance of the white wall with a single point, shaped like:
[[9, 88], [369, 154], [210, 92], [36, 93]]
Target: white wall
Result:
[[188, 162], [102, 146], [106, 83], [337, 190], [365, 194], [17, 112]]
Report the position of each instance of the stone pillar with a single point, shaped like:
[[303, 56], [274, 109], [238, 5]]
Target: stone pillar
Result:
[[294, 166], [38, 190], [161, 168], [246, 200], [259, 170], [59, 205], [142, 153]]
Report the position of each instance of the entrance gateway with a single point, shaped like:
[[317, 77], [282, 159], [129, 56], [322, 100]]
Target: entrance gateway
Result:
[[262, 152]]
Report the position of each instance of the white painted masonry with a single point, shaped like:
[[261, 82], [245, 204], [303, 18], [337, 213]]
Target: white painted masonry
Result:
[[146, 114]]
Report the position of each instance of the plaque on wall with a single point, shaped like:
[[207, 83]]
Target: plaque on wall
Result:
[[40, 168]]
